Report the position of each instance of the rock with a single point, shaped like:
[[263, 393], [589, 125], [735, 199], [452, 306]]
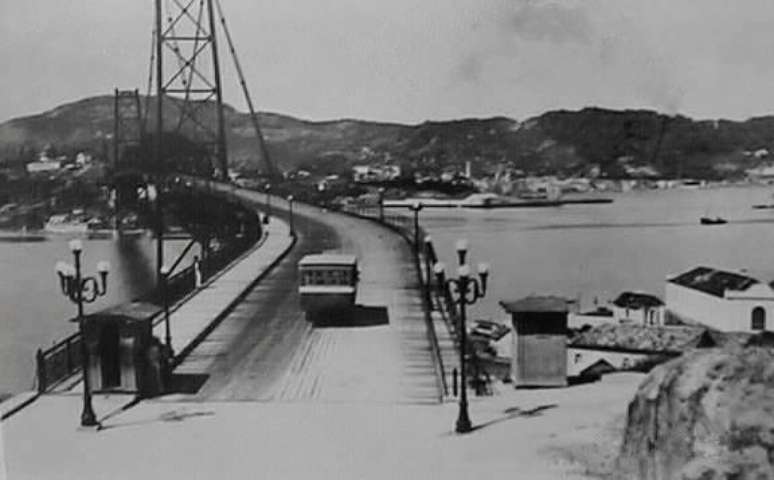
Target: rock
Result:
[[706, 415]]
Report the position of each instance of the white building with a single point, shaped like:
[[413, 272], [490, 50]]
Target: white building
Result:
[[369, 173], [761, 172], [638, 307], [726, 301], [83, 159], [44, 166]]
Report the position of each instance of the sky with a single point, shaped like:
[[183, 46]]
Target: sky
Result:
[[409, 61]]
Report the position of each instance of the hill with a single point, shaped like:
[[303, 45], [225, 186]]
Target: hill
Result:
[[569, 142]]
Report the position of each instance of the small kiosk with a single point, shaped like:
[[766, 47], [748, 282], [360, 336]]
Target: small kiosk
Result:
[[123, 354], [539, 356]]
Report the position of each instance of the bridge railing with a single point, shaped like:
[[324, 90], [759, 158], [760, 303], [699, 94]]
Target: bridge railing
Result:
[[63, 359], [58, 362]]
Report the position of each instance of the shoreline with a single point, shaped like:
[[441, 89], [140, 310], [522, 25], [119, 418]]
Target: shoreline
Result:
[[435, 203]]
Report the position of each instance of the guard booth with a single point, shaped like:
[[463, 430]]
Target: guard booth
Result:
[[539, 355], [123, 354]]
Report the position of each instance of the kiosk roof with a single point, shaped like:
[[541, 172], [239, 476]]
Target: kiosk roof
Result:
[[535, 304]]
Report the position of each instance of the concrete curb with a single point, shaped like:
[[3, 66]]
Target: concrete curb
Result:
[[174, 307]]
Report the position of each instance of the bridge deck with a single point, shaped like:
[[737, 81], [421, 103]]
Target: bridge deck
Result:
[[266, 350], [197, 313]]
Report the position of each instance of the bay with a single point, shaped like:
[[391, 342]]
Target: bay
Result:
[[33, 311], [590, 252]]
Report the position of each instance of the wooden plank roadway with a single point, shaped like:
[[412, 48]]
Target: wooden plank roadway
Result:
[[265, 350]]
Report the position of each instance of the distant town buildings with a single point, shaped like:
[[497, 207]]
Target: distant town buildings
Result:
[[44, 166], [371, 173], [763, 173], [723, 300], [330, 182], [48, 164]]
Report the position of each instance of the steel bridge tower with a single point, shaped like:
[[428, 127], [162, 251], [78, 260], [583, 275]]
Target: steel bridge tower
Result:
[[187, 74], [188, 77], [127, 122]]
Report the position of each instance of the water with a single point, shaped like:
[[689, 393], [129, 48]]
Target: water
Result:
[[590, 251], [575, 250], [33, 311]]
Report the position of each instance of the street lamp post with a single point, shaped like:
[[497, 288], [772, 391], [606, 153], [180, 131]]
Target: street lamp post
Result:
[[463, 290], [165, 300], [290, 209], [82, 290], [268, 203], [416, 207], [381, 204]]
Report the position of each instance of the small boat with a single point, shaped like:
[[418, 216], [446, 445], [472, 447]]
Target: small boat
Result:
[[712, 221], [66, 223], [763, 206]]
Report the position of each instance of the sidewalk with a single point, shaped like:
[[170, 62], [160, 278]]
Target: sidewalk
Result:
[[197, 316], [567, 433]]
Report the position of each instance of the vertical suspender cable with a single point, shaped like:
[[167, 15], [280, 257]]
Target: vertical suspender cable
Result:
[[150, 82], [270, 168]]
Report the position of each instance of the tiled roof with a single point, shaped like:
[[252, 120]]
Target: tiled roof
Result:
[[635, 337], [712, 281]]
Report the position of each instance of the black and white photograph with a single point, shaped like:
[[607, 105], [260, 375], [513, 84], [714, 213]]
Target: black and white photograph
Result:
[[387, 239]]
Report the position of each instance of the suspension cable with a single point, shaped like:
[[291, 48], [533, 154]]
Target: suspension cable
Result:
[[270, 168], [150, 79]]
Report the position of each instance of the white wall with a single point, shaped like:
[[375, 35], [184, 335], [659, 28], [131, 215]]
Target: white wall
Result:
[[726, 314], [578, 359]]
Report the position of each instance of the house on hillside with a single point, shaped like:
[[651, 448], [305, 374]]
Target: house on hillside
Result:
[[46, 166], [375, 173], [723, 300], [638, 307], [630, 346]]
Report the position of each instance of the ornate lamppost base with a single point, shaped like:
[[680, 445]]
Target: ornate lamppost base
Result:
[[463, 423], [89, 420]]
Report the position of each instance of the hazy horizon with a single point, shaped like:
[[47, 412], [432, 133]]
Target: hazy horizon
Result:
[[402, 62], [372, 120]]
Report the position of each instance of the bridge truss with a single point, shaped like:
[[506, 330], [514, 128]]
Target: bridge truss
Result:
[[128, 122], [188, 78]]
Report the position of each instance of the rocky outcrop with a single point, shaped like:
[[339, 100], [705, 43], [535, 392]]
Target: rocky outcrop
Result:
[[706, 415]]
